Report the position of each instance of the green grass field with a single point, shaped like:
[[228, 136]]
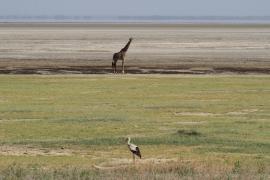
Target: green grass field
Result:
[[186, 126]]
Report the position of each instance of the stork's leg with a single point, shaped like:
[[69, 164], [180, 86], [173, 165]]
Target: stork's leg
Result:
[[123, 66]]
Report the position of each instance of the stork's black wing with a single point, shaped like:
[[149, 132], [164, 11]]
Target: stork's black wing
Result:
[[138, 152]]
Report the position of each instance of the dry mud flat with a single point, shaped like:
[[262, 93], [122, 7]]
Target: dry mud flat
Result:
[[87, 48]]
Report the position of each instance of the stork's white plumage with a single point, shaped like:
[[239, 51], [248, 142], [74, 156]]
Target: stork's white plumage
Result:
[[134, 149]]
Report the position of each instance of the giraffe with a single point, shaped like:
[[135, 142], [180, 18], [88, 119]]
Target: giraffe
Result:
[[120, 56]]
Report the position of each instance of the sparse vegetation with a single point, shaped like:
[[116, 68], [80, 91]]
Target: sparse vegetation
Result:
[[172, 170], [188, 132], [58, 127]]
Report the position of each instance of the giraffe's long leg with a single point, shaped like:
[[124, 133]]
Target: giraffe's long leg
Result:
[[115, 67], [123, 66]]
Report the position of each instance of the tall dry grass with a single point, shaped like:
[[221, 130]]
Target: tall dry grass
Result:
[[169, 170]]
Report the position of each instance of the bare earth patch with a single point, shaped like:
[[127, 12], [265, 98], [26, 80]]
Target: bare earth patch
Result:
[[87, 48], [190, 122], [31, 151], [195, 114], [241, 112]]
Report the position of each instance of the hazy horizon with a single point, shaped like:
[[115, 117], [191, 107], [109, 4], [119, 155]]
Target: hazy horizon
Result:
[[135, 8], [138, 19]]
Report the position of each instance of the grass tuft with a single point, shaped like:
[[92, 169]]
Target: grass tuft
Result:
[[188, 132]]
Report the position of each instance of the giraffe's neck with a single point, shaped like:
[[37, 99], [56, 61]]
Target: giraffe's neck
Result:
[[126, 47]]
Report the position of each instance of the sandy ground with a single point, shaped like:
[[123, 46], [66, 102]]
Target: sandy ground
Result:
[[6, 150], [157, 48]]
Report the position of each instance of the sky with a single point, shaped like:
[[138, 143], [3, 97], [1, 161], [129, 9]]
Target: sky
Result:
[[136, 7]]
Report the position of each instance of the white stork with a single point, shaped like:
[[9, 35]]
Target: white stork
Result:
[[134, 149]]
